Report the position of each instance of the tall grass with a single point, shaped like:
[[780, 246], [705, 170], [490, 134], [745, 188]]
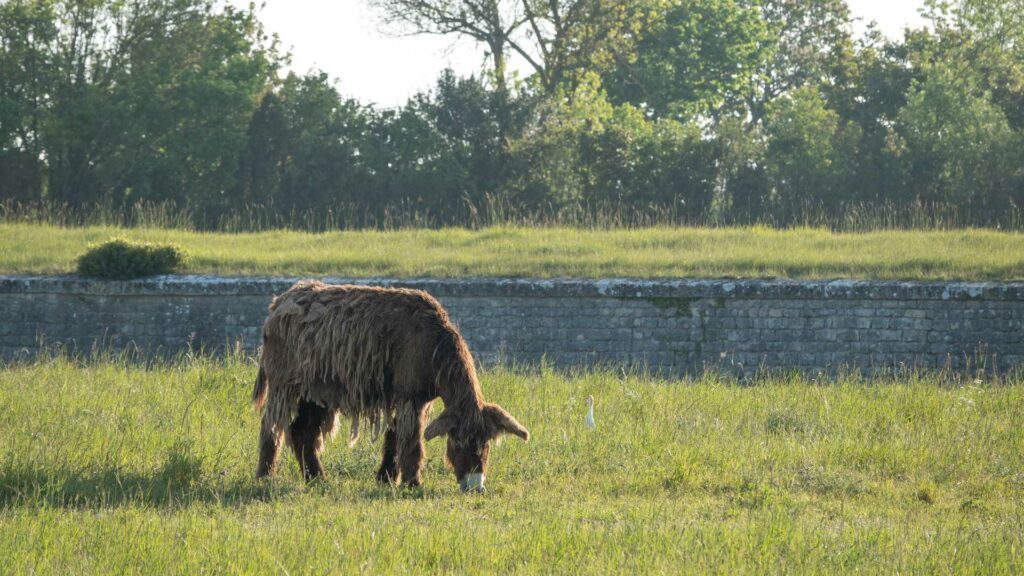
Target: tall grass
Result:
[[550, 252], [112, 467], [499, 211]]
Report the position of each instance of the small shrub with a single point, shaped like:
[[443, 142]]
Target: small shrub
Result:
[[122, 259]]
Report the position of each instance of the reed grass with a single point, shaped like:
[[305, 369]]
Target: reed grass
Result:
[[498, 211]]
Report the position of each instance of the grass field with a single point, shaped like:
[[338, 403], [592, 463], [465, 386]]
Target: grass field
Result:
[[546, 252], [109, 468]]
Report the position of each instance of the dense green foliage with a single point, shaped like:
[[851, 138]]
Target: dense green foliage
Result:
[[670, 252], [122, 259], [690, 111], [110, 468]]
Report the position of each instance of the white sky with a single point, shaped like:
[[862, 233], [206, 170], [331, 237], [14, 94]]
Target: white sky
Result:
[[344, 39]]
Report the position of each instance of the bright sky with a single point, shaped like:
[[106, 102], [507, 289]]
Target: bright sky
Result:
[[344, 38]]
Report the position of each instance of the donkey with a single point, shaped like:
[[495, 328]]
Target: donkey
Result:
[[380, 356]]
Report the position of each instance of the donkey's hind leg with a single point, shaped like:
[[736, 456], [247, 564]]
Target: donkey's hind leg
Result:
[[306, 436], [388, 471]]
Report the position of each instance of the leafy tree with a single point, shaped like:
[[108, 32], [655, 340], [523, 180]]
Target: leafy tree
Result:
[[571, 39], [468, 138], [990, 35], [137, 99], [589, 151], [547, 158], [184, 101], [464, 113], [807, 42], [635, 162], [441, 154], [25, 80], [868, 90], [742, 187], [957, 145], [809, 154], [415, 169], [694, 58], [305, 148]]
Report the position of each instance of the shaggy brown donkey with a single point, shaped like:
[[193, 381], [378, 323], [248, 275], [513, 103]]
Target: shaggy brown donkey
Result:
[[377, 355]]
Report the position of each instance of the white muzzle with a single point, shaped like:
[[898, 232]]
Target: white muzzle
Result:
[[472, 483]]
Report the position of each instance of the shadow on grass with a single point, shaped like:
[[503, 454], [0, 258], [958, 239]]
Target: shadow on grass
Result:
[[176, 485], [114, 488]]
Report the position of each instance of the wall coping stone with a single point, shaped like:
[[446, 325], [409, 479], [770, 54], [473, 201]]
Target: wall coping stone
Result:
[[200, 285]]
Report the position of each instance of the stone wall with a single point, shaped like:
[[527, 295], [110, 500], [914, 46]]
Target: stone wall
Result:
[[671, 325]]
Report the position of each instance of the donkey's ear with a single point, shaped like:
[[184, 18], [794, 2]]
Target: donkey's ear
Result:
[[441, 425], [500, 421]]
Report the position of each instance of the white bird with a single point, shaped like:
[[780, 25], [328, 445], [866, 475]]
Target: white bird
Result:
[[590, 413]]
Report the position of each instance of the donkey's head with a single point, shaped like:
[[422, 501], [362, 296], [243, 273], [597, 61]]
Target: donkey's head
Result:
[[469, 440]]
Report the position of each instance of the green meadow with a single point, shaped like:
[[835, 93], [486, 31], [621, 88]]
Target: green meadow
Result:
[[111, 467], [548, 252]]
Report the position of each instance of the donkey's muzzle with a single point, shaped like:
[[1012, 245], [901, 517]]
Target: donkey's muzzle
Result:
[[472, 483]]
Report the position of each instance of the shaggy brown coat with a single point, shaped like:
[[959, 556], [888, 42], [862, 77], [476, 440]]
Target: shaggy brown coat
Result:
[[376, 355]]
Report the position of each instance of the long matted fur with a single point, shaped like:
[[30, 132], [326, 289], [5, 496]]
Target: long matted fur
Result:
[[344, 347], [378, 355]]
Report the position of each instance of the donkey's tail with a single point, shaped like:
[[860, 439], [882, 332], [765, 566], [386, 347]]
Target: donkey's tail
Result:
[[259, 391]]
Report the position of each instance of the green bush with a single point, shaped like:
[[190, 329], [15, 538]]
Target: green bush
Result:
[[122, 259]]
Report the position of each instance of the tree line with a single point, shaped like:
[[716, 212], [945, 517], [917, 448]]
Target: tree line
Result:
[[684, 110]]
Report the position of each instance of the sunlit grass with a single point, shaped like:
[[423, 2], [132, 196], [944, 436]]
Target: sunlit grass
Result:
[[547, 252], [107, 467]]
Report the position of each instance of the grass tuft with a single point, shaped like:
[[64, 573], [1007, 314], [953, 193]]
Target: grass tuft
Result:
[[927, 492]]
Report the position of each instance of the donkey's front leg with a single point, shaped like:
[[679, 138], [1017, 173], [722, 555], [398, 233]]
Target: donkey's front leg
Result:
[[409, 419]]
